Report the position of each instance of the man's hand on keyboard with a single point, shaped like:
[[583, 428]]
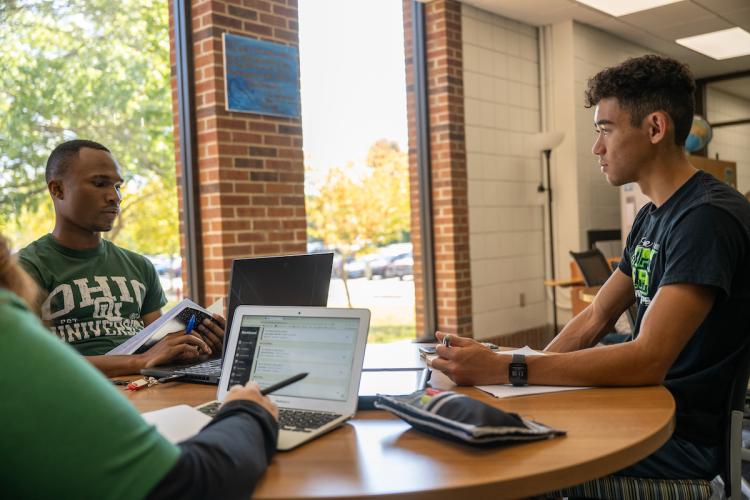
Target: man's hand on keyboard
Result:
[[212, 332], [175, 347], [251, 392]]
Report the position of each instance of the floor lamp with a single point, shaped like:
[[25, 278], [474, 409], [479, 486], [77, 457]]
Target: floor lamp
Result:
[[546, 142]]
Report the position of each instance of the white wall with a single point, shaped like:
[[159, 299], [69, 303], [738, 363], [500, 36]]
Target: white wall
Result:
[[730, 143], [501, 92], [598, 202], [506, 213], [583, 198]]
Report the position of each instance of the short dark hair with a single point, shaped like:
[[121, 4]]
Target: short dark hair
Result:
[[646, 84], [59, 160]]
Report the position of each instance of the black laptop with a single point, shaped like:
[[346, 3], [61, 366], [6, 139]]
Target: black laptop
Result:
[[289, 280]]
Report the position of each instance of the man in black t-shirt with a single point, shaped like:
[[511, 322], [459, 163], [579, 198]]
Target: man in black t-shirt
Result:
[[686, 265]]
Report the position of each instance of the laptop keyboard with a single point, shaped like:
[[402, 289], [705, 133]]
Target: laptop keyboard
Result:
[[289, 420], [304, 420], [212, 367]]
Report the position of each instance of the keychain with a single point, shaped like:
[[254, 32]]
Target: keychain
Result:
[[141, 383]]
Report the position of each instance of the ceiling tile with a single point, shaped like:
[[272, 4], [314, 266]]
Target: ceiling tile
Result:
[[718, 6], [740, 17], [697, 27], [676, 13], [654, 29]]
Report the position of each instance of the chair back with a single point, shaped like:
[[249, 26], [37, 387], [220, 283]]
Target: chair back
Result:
[[732, 456], [596, 271], [593, 265]]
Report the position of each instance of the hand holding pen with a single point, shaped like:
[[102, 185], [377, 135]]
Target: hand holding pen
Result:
[[190, 325], [210, 330], [251, 391]]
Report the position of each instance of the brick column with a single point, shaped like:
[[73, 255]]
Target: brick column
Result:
[[448, 155], [250, 166]]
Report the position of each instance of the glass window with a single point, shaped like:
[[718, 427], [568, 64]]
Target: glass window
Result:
[[356, 157]]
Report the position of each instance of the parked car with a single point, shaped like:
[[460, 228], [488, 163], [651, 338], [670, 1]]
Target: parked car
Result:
[[354, 268], [166, 265], [400, 267], [386, 255]]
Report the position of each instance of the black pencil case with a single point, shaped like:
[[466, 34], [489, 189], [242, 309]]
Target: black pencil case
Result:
[[457, 417]]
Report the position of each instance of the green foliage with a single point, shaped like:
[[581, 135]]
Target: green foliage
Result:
[[92, 69], [383, 334], [350, 214], [152, 234]]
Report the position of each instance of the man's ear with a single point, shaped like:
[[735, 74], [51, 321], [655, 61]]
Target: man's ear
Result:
[[55, 187], [657, 125]]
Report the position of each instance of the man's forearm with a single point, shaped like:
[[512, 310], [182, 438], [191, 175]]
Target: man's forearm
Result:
[[114, 366], [627, 364], [582, 332]]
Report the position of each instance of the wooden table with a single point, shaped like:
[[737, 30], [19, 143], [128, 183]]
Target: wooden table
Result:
[[377, 455]]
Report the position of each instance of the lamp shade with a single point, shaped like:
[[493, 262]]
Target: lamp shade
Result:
[[545, 141]]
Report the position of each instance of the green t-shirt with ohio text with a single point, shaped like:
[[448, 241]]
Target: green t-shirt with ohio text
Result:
[[96, 297]]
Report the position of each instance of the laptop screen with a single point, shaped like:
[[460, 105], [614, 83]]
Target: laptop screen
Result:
[[272, 348], [288, 280]]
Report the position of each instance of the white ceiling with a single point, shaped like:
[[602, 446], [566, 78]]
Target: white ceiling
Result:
[[656, 29]]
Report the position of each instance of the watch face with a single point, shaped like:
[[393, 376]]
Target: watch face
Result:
[[517, 373]]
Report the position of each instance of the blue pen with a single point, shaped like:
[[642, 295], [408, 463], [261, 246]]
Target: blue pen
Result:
[[190, 325]]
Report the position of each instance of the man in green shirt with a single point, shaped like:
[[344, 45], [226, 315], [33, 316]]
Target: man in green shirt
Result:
[[67, 433], [99, 294]]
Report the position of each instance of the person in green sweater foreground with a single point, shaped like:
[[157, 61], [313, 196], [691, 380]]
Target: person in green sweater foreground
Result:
[[98, 294], [68, 433]]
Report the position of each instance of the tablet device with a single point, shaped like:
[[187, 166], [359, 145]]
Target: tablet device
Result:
[[390, 382]]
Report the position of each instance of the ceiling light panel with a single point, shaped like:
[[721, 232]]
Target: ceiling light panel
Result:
[[619, 8], [719, 45]]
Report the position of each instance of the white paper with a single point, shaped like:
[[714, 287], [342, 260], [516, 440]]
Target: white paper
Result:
[[158, 329], [217, 307], [177, 423], [170, 326], [509, 391], [525, 350], [173, 325]]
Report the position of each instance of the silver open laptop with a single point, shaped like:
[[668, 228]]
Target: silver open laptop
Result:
[[267, 344]]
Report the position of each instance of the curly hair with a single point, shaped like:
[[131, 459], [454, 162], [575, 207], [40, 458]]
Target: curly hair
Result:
[[15, 279], [646, 84]]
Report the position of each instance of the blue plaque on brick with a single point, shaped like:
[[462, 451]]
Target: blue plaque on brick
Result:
[[261, 77]]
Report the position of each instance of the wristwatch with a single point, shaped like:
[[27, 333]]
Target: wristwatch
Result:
[[518, 370]]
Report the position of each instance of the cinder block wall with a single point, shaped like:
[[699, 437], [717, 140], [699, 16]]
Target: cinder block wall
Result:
[[506, 217]]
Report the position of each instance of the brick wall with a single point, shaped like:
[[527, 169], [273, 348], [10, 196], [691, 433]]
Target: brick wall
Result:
[[448, 155], [250, 167]]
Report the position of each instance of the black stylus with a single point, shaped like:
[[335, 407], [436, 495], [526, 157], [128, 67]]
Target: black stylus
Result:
[[280, 385]]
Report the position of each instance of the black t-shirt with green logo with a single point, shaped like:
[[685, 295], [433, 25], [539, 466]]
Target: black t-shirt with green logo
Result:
[[701, 235], [96, 297]]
